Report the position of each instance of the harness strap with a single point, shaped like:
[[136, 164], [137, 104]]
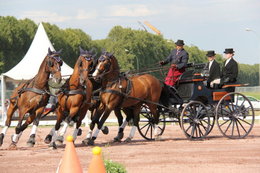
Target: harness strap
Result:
[[74, 92], [35, 90]]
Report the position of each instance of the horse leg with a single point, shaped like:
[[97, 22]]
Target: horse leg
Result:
[[155, 113], [121, 124], [31, 140], [54, 131], [94, 120], [135, 115], [12, 108], [99, 125], [20, 128]]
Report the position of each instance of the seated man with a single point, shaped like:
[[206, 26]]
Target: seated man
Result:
[[178, 59], [229, 70], [213, 70]]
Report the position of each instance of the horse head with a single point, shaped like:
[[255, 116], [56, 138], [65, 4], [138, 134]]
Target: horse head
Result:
[[86, 63], [104, 65], [53, 64]]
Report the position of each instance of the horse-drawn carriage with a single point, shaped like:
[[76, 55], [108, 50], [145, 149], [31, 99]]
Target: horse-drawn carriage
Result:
[[197, 108], [141, 97]]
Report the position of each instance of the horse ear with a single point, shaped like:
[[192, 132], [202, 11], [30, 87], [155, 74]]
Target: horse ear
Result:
[[59, 51], [81, 51], [49, 51]]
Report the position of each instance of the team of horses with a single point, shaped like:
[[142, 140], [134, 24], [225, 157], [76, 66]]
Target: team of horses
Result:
[[92, 77]]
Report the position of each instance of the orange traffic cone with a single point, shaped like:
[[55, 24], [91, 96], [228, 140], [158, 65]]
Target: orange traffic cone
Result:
[[70, 162], [96, 165]]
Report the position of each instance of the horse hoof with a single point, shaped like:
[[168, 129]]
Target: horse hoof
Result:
[[120, 135], [59, 140], [105, 131], [116, 139], [31, 142], [91, 142], [79, 132], [85, 141], [12, 146], [128, 140], [53, 145], [1, 139], [47, 139]]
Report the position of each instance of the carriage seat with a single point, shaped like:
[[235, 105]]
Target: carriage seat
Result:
[[234, 85]]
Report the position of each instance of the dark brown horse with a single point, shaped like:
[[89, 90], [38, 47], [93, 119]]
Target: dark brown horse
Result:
[[74, 100], [31, 97], [119, 91]]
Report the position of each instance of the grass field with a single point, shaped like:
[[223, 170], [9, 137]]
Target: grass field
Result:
[[253, 94]]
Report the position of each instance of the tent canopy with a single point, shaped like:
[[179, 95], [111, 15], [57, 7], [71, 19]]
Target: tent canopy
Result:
[[28, 67]]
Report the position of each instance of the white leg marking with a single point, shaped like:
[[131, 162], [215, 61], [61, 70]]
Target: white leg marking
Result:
[[75, 134], [89, 135], [96, 132], [64, 129], [123, 125], [4, 130], [34, 129], [16, 137], [132, 132]]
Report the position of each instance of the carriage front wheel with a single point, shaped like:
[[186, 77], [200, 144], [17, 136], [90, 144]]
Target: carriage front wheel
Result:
[[195, 120], [146, 123], [235, 115]]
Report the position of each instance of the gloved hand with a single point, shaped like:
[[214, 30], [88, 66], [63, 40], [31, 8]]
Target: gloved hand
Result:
[[173, 65], [161, 62], [226, 80]]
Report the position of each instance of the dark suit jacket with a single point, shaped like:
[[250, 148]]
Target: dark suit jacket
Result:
[[214, 71], [180, 60], [229, 72]]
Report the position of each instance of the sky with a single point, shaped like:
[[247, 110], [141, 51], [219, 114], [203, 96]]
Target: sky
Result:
[[207, 24]]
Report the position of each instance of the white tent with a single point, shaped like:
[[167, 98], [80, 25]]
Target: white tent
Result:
[[28, 67]]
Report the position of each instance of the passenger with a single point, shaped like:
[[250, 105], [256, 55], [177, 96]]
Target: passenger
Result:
[[178, 59], [213, 70], [230, 68]]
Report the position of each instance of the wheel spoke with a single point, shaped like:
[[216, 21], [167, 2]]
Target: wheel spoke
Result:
[[242, 126], [233, 124], [237, 129], [192, 131], [186, 131], [228, 127], [226, 121], [245, 121], [147, 130], [144, 126], [200, 132]]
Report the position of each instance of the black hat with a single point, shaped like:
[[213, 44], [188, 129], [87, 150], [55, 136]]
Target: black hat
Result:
[[210, 53], [229, 50], [179, 43]]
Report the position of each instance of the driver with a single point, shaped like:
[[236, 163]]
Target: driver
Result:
[[178, 59]]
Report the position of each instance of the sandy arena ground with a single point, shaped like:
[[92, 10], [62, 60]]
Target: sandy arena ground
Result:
[[173, 154]]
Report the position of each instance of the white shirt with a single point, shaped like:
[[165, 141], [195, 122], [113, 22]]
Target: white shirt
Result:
[[210, 64], [227, 61]]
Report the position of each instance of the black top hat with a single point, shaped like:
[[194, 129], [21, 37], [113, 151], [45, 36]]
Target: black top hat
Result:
[[179, 43], [210, 53], [229, 50]]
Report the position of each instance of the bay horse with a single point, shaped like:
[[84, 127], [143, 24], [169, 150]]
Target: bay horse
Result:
[[31, 97], [119, 91], [75, 99]]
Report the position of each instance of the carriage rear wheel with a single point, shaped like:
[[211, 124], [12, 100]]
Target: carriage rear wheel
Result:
[[146, 123], [235, 115], [195, 120]]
